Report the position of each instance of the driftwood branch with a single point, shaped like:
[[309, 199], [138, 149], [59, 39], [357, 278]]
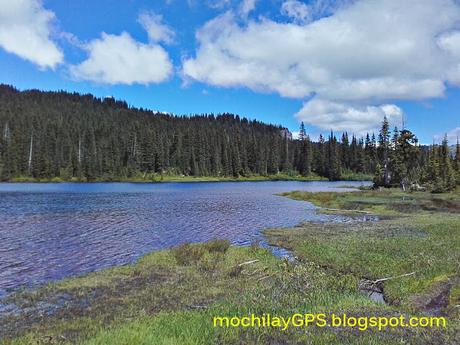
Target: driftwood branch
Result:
[[344, 210], [247, 263], [265, 277], [378, 281], [376, 285]]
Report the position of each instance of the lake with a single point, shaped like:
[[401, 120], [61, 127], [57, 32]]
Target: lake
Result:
[[51, 231]]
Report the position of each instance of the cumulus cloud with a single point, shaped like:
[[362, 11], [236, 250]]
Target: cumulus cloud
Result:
[[119, 59], [296, 10], [336, 116], [156, 29], [25, 30], [246, 7], [363, 55], [450, 42], [452, 136]]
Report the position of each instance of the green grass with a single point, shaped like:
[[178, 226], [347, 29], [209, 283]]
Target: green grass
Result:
[[352, 176], [419, 232], [157, 178], [389, 202]]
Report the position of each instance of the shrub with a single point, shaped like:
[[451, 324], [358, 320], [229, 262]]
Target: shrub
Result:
[[208, 263], [255, 247], [217, 246], [187, 253], [235, 271]]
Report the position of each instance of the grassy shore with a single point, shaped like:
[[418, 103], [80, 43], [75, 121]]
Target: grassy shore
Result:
[[171, 296], [157, 178], [418, 232]]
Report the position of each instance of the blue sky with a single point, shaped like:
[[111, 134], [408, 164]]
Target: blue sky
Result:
[[339, 65]]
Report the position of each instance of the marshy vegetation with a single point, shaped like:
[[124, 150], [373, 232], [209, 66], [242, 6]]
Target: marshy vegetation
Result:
[[418, 235]]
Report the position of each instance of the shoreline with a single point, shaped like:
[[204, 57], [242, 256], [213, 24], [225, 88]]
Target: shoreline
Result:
[[420, 208], [186, 286], [189, 179]]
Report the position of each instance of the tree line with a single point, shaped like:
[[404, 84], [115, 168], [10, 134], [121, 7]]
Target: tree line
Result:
[[402, 162], [45, 135]]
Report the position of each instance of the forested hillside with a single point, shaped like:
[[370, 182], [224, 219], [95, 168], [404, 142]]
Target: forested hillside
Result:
[[81, 137]]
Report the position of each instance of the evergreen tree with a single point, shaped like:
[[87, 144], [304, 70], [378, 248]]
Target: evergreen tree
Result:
[[384, 155], [302, 131], [305, 152], [320, 157], [405, 159], [334, 170], [446, 170], [457, 161], [344, 152]]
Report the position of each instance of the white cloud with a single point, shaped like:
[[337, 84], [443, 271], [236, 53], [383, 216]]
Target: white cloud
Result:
[[450, 42], [119, 59], [295, 135], [452, 136], [302, 13], [246, 7], [364, 54], [157, 31], [216, 4], [297, 10], [25, 30], [72, 39], [328, 115]]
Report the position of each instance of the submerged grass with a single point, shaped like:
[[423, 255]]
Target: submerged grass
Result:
[[171, 296]]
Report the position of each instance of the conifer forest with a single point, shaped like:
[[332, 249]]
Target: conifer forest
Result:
[[46, 135]]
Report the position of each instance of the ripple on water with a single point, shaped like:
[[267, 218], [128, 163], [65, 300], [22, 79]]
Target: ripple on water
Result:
[[52, 231]]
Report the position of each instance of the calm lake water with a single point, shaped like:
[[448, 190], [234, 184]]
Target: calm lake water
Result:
[[51, 231]]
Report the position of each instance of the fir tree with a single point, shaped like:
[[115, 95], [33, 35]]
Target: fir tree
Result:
[[384, 154], [446, 169], [457, 161]]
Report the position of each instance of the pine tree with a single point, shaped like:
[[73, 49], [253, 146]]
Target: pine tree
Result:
[[384, 154], [457, 161], [302, 131], [433, 165], [333, 159], [344, 152], [405, 159], [320, 157], [446, 169], [304, 152]]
